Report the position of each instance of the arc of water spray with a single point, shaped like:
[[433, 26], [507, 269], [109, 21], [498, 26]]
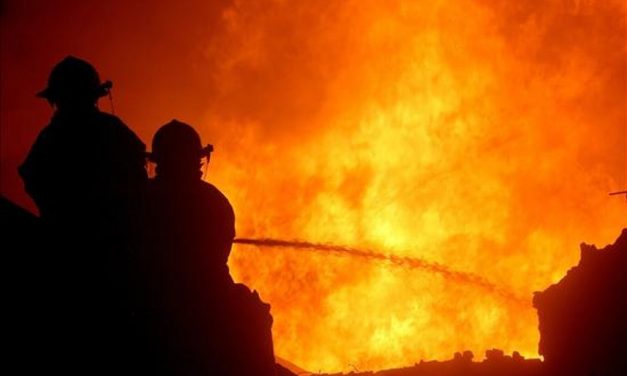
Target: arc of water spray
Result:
[[411, 262]]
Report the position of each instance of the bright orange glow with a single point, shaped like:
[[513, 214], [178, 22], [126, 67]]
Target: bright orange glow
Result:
[[458, 132], [482, 135]]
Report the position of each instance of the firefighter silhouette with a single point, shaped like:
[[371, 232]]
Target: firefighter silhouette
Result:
[[85, 161], [86, 174], [203, 322]]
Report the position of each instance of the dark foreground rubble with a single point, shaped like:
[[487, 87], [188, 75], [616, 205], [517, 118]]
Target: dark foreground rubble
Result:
[[583, 317], [495, 363]]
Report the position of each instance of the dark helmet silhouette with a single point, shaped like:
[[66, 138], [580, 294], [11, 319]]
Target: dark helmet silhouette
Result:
[[177, 142], [74, 77]]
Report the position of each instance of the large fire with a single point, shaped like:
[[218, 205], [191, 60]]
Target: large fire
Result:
[[472, 143], [471, 134]]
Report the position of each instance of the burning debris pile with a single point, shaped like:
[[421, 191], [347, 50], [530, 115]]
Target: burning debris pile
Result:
[[583, 318], [495, 363]]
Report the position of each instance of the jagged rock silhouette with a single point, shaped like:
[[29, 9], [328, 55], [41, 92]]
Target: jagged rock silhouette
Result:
[[583, 317]]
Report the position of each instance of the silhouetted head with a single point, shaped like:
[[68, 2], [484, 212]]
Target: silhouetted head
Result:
[[74, 84], [177, 151]]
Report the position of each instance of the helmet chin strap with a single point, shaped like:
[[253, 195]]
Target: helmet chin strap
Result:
[[111, 101], [205, 168], [150, 169]]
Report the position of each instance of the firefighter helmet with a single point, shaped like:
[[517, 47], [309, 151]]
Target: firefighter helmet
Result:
[[177, 141], [74, 77]]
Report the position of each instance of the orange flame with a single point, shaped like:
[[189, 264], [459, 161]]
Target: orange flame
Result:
[[479, 135]]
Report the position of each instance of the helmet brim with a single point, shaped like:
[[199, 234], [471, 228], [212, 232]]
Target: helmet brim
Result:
[[45, 93], [204, 153], [100, 91]]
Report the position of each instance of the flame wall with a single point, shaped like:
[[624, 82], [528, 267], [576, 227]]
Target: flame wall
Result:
[[482, 135]]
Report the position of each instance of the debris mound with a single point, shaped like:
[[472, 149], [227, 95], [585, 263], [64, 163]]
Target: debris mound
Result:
[[583, 317]]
